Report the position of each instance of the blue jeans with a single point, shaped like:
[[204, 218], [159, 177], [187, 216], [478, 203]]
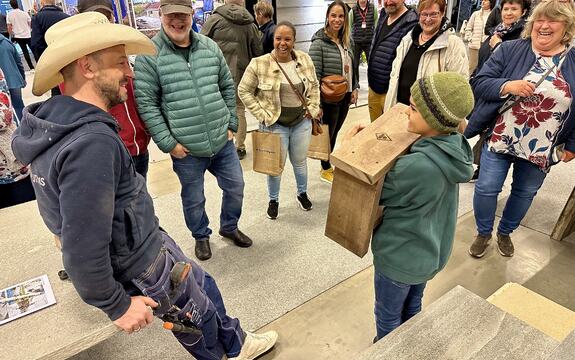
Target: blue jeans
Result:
[[295, 141], [201, 298], [225, 166], [17, 103], [395, 303], [141, 163], [527, 179]]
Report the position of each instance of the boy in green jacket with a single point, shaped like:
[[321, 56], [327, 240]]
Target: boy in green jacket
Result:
[[420, 197]]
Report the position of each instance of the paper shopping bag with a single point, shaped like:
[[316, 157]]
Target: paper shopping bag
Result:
[[267, 153], [319, 147]]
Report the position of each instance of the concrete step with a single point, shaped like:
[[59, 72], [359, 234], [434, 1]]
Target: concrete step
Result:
[[565, 351], [537, 311], [461, 325]]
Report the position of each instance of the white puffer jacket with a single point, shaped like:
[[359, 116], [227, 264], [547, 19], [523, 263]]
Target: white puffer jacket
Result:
[[474, 33], [447, 53]]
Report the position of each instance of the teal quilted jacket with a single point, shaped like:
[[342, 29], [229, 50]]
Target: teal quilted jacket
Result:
[[188, 101]]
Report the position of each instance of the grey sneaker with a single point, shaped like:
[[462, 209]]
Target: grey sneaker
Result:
[[505, 245], [479, 246]]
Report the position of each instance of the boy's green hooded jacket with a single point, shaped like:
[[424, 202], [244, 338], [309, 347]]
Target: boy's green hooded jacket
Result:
[[420, 197]]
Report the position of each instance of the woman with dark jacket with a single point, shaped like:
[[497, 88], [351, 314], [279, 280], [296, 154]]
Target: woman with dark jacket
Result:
[[513, 14], [524, 102], [331, 53]]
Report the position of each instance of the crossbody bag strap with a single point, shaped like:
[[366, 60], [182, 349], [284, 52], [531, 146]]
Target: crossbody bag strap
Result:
[[299, 95], [513, 100]]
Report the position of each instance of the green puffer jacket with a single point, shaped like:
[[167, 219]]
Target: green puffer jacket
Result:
[[188, 101], [326, 57]]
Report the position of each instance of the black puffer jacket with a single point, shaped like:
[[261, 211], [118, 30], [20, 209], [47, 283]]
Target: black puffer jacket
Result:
[[326, 57], [383, 50], [485, 50], [41, 22]]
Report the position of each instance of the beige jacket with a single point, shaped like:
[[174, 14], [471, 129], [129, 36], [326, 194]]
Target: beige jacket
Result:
[[447, 53], [474, 31], [259, 88]]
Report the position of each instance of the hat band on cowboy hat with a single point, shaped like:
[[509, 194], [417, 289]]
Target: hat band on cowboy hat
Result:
[[67, 43]]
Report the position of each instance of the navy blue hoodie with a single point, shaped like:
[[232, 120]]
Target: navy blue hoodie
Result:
[[90, 195]]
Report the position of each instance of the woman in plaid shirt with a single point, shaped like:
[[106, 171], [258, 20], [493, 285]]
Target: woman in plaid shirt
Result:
[[266, 91]]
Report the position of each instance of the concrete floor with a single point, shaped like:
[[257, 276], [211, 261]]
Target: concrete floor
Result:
[[339, 322]]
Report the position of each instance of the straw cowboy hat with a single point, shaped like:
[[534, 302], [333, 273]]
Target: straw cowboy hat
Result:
[[80, 35]]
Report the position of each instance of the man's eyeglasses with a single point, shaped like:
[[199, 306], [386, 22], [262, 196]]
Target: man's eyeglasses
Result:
[[431, 15]]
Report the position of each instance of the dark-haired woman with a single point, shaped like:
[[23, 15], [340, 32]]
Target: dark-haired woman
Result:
[[331, 52], [272, 89]]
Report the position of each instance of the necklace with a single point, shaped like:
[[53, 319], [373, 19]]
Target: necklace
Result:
[[423, 40]]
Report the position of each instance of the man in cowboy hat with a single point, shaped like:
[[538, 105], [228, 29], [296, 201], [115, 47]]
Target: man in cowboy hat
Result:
[[187, 98], [90, 196]]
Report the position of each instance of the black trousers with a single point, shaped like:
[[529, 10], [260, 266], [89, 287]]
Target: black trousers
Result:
[[358, 48], [25, 45], [334, 116], [16, 193]]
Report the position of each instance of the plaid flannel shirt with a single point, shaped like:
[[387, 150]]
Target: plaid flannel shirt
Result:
[[259, 88]]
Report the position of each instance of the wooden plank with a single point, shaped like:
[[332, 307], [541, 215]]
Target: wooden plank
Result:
[[372, 152], [566, 223], [353, 212]]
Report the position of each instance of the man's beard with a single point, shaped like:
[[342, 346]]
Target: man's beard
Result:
[[110, 91], [391, 9]]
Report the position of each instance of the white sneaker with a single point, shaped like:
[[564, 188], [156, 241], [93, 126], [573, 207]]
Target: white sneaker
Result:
[[256, 345]]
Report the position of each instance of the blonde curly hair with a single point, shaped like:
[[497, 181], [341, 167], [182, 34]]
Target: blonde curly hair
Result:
[[554, 10]]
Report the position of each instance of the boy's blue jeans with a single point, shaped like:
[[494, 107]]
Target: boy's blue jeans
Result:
[[395, 303], [527, 179], [295, 141], [225, 166], [201, 297]]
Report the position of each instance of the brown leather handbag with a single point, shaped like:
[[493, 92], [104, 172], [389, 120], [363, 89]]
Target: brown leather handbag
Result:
[[333, 88]]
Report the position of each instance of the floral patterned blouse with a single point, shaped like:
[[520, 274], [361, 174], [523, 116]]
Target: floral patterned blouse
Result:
[[11, 170], [528, 130]]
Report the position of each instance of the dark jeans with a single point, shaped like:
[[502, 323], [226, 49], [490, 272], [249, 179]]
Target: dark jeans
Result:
[[25, 45], [16, 193], [225, 166], [221, 334], [395, 303], [527, 180], [141, 162], [17, 103], [358, 48], [334, 115]]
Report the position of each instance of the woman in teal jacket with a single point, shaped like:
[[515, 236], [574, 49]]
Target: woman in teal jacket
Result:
[[331, 54]]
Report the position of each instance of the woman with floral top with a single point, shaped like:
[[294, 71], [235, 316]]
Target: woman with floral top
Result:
[[525, 102], [15, 184]]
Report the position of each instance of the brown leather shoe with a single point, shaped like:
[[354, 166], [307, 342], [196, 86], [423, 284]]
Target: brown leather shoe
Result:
[[239, 238]]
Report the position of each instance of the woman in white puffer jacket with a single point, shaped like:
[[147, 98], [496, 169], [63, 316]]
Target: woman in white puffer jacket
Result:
[[474, 31]]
